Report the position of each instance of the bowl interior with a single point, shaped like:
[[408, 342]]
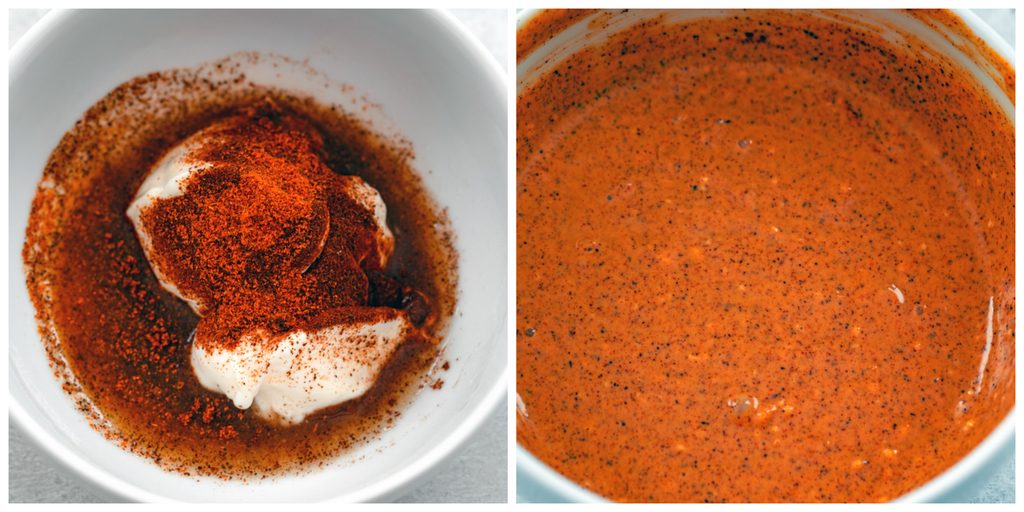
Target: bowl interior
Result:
[[538, 481], [433, 85]]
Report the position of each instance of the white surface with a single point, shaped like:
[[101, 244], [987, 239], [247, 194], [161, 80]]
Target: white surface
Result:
[[985, 475], [462, 142]]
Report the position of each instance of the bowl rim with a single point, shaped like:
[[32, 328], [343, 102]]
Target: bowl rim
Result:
[[389, 486], [542, 474]]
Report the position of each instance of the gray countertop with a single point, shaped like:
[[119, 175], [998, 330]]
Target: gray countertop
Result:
[[479, 473]]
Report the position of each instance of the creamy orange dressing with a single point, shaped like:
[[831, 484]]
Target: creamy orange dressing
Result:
[[765, 257]]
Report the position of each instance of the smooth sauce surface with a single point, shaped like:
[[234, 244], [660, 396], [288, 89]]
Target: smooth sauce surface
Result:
[[761, 258]]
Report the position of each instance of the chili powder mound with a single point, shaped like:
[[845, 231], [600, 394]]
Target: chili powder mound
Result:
[[119, 343], [256, 216], [266, 236]]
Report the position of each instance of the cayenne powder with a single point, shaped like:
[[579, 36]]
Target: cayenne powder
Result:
[[246, 237]]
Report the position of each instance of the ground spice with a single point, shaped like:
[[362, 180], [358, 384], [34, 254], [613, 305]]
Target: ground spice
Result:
[[267, 236], [248, 220]]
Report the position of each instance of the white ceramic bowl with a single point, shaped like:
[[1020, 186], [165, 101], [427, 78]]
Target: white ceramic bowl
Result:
[[538, 482], [438, 87]]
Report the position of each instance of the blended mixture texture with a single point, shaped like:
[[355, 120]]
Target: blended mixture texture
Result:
[[761, 257]]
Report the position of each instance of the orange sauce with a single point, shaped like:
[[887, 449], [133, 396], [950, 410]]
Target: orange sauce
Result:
[[762, 257]]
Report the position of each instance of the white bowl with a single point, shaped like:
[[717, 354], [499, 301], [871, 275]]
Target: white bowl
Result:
[[437, 86], [538, 482]]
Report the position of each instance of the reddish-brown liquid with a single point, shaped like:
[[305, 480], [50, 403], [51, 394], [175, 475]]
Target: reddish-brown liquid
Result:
[[126, 341], [761, 258]]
